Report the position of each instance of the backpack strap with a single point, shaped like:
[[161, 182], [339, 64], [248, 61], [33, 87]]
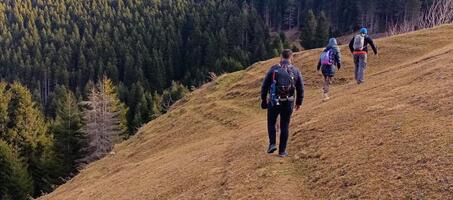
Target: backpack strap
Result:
[[273, 88], [275, 72], [290, 70]]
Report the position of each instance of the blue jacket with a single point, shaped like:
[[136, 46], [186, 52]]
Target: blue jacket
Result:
[[299, 83]]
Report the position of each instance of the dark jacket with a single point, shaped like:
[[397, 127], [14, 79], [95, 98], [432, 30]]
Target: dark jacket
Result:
[[368, 40], [337, 58], [299, 83]]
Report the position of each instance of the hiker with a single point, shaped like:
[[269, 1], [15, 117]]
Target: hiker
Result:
[[329, 61], [284, 84], [359, 49]]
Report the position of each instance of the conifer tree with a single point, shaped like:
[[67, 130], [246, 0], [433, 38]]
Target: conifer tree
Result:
[[322, 31], [278, 44], [4, 101], [173, 94], [27, 132], [67, 131], [308, 31], [15, 182]]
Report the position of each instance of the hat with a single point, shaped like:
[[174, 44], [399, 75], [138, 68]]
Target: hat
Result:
[[364, 31]]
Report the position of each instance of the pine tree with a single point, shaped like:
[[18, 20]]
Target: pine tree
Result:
[[15, 182], [308, 31], [4, 101], [173, 94], [155, 104], [290, 19], [284, 40], [228, 64], [322, 31], [67, 131], [278, 44], [26, 131], [139, 112], [26, 123], [151, 112]]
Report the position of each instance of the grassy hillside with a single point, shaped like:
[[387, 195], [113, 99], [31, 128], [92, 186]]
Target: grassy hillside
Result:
[[390, 138]]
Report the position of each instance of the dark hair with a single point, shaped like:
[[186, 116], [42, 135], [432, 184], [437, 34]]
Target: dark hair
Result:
[[287, 53]]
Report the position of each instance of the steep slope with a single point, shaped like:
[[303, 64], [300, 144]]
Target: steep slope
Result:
[[388, 139]]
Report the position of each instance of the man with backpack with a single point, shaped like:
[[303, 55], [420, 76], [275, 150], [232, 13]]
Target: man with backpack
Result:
[[329, 61], [284, 84], [359, 49]]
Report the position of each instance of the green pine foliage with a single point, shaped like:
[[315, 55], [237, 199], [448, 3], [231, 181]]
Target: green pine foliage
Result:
[[309, 31], [15, 182], [322, 19], [4, 102], [172, 94], [138, 44], [67, 132], [322, 31], [24, 129]]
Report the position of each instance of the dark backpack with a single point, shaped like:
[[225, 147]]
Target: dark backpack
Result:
[[285, 81]]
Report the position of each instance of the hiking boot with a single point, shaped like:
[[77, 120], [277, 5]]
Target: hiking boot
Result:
[[272, 148], [283, 154], [325, 97]]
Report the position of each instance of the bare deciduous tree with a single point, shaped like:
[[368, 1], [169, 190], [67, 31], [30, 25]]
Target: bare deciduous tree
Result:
[[439, 13], [103, 122], [404, 27], [212, 76]]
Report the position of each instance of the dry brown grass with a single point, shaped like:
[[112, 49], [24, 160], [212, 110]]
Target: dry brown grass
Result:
[[388, 139]]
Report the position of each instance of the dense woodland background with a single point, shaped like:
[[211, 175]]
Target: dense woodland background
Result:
[[74, 71]]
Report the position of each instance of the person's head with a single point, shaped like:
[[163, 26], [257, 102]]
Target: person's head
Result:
[[287, 54], [364, 31], [332, 42]]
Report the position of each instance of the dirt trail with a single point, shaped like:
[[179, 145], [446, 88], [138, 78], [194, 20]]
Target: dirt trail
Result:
[[388, 139]]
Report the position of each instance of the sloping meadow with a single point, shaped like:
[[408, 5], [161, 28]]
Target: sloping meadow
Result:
[[387, 139]]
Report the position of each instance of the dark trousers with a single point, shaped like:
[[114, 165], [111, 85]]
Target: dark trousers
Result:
[[285, 109]]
